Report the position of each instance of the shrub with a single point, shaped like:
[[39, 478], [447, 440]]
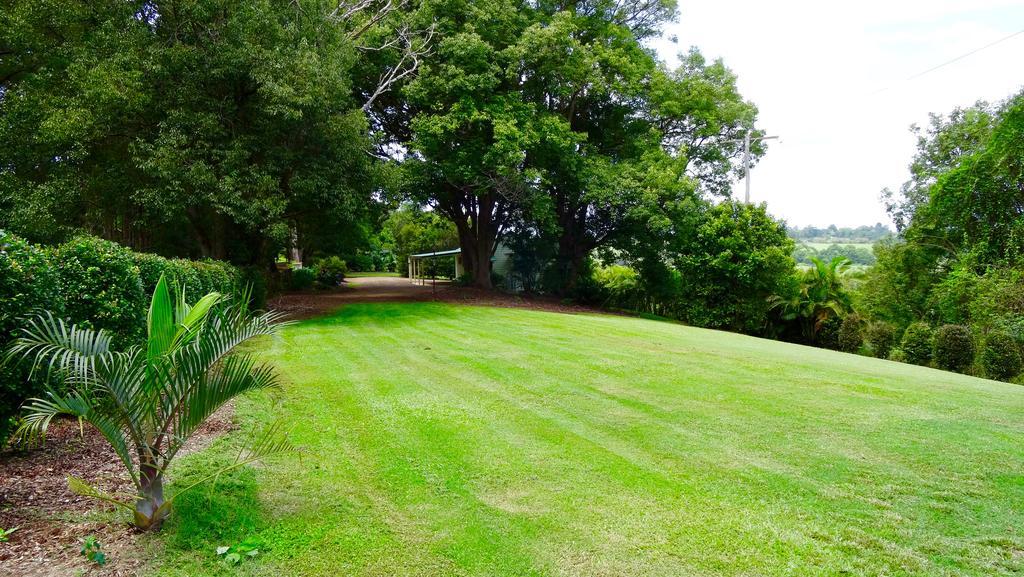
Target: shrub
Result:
[[828, 334], [917, 343], [151, 266], [953, 349], [331, 271], [102, 287], [882, 336], [851, 333], [620, 286], [28, 283], [302, 279], [1001, 357], [897, 355], [200, 277]]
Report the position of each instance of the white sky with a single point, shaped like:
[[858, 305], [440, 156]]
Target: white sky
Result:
[[830, 79]]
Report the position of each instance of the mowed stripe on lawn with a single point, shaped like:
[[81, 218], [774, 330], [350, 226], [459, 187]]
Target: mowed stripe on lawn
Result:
[[450, 440]]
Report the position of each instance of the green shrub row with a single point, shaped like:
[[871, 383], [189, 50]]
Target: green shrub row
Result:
[[324, 273], [92, 282], [996, 355]]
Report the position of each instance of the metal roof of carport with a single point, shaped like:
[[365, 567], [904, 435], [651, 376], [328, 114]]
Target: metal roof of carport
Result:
[[437, 253]]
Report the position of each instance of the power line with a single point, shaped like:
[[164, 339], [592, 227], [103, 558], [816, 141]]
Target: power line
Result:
[[957, 59]]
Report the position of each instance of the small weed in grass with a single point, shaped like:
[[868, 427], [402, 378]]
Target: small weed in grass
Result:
[[91, 549], [5, 534], [234, 554]]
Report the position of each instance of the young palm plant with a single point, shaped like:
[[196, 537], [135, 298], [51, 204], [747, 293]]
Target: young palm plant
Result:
[[147, 400], [821, 296]]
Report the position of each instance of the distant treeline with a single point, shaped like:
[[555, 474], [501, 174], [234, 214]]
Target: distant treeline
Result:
[[857, 253], [832, 233]]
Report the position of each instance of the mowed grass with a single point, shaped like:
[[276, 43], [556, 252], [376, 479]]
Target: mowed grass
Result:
[[449, 440]]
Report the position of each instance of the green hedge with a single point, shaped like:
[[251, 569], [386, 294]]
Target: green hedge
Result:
[[101, 287], [28, 283], [91, 282]]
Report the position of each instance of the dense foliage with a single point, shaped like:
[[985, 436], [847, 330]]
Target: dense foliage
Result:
[[733, 261], [330, 271], [214, 127], [882, 338], [28, 283], [1001, 356], [961, 216], [918, 343], [94, 283], [820, 300]]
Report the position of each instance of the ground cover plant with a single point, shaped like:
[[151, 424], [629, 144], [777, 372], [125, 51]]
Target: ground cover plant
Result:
[[451, 440]]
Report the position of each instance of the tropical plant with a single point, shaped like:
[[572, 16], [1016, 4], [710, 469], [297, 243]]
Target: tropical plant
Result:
[[147, 400], [819, 298]]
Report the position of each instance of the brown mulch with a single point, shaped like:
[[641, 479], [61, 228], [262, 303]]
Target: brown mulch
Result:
[[52, 521]]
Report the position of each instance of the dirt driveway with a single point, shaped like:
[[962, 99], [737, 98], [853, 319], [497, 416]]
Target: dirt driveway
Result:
[[397, 289]]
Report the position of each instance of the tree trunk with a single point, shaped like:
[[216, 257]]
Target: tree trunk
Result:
[[478, 220], [149, 508], [572, 251]]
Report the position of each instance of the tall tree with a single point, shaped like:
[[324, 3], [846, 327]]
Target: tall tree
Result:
[[940, 146], [470, 128], [215, 127]]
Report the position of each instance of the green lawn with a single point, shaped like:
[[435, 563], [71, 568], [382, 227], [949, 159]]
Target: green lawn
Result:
[[448, 440]]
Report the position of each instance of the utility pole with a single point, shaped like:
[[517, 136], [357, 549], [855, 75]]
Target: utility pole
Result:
[[746, 159]]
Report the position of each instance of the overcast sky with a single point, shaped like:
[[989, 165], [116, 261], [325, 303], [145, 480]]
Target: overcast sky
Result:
[[830, 79]]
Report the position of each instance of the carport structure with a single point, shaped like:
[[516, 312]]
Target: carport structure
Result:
[[416, 262]]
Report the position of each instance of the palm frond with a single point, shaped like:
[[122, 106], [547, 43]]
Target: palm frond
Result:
[[40, 412], [72, 350], [80, 487], [160, 322], [238, 374]]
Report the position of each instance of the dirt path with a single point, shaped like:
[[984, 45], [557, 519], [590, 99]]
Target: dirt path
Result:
[[397, 289]]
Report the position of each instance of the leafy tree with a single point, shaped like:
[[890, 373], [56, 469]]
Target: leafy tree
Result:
[[978, 205], [733, 261], [470, 127], [147, 400], [702, 118], [214, 127], [410, 230], [820, 297], [940, 146], [897, 289]]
